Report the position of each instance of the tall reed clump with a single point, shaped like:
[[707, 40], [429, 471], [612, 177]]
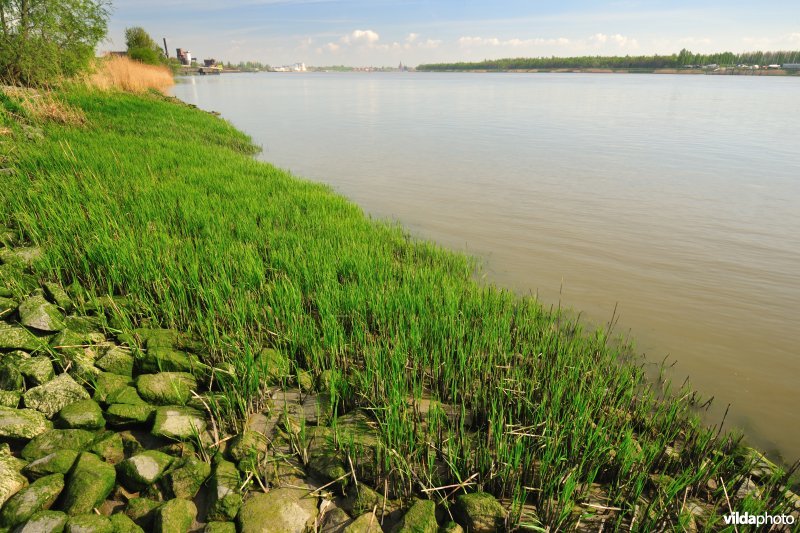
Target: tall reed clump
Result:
[[116, 72], [472, 387]]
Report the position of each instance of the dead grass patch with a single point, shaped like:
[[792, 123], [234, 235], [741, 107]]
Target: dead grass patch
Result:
[[42, 106], [125, 74]]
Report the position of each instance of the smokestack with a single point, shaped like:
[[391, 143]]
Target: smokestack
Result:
[[166, 50]]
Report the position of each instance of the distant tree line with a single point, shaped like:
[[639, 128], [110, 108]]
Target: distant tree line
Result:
[[683, 59]]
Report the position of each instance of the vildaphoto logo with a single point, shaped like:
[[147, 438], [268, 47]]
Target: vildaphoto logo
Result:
[[744, 519]]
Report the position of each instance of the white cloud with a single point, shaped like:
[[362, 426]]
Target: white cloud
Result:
[[412, 37], [620, 40], [430, 44], [331, 47], [794, 37], [361, 36], [471, 42]]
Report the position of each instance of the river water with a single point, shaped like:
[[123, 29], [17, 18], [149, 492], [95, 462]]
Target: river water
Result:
[[675, 199]]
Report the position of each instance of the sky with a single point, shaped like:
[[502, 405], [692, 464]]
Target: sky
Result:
[[387, 32]]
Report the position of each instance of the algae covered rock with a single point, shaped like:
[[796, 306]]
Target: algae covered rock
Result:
[[142, 511], [11, 481], [108, 446], [44, 522], [7, 306], [37, 313], [272, 365], [185, 480], [122, 415], [420, 518], [55, 440], [123, 524], [11, 379], [38, 496], [19, 338], [220, 527], [9, 398], [324, 459], [180, 423], [56, 294], [107, 384], [36, 370], [175, 516], [479, 512], [282, 510], [59, 462], [143, 469], [83, 414], [21, 255], [54, 395], [89, 523], [366, 523], [90, 482], [225, 500], [157, 360], [117, 360], [166, 388], [127, 395], [22, 423]]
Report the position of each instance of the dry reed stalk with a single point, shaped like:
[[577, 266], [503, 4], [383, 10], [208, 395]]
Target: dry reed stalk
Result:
[[125, 74]]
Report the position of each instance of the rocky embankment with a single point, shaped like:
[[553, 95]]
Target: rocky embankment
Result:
[[106, 431]]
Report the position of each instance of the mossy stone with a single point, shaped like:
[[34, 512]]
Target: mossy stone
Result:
[[420, 518], [282, 510], [127, 395], [7, 306], [90, 482], [157, 360], [59, 462], [220, 527], [272, 365], [121, 415], [44, 522], [55, 440], [479, 512], [366, 523], [123, 524], [11, 481], [176, 422], [89, 523], [54, 395], [36, 370], [324, 459], [10, 398], [175, 516], [11, 379], [37, 496], [166, 388], [37, 313], [225, 499], [142, 511], [451, 527], [21, 255], [185, 480], [366, 499], [108, 446], [107, 384], [248, 444], [18, 338], [22, 423], [83, 414], [117, 360], [56, 294], [143, 469]]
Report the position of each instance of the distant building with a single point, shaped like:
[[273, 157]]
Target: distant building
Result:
[[184, 56], [209, 62], [117, 54], [791, 66], [297, 67], [773, 66]]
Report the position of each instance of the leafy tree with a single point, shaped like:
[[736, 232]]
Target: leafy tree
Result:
[[42, 40], [142, 47]]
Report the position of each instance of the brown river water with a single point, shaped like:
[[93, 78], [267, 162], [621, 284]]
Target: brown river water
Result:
[[675, 199]]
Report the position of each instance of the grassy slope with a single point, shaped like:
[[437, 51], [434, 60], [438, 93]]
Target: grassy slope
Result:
[[162, 203]]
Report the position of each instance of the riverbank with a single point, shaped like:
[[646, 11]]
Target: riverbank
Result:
[[690, 72], [424, 383]]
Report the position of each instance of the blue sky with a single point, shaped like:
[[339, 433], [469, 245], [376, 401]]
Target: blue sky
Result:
[[385, 32]]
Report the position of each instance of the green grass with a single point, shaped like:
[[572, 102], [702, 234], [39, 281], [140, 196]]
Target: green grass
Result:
[[162, 203]]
